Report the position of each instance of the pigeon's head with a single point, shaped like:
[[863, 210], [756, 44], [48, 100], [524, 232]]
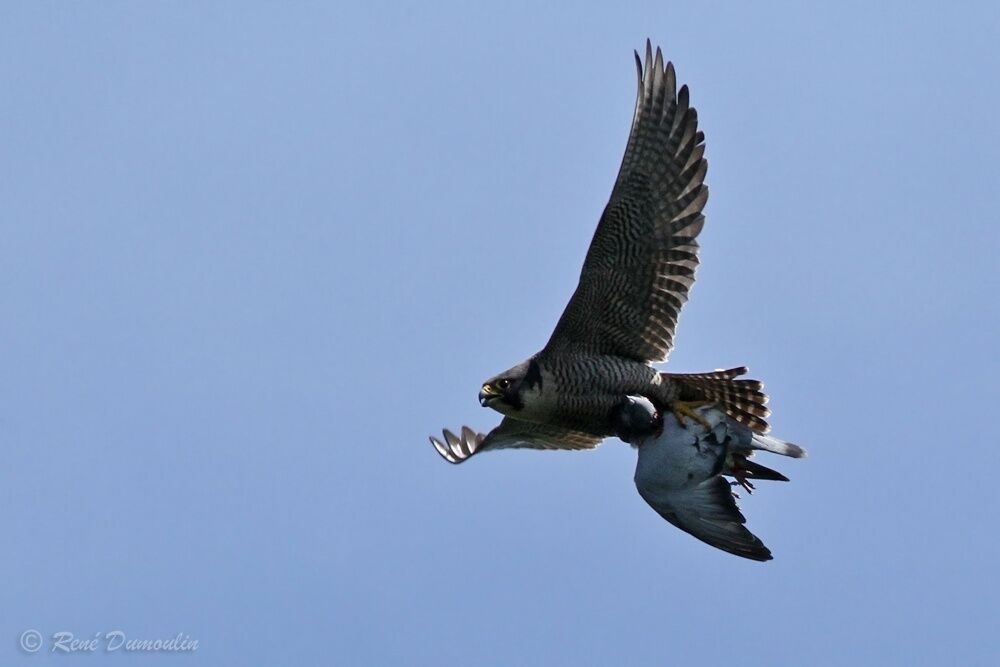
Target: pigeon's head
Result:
[[506, 393], [636, 418]]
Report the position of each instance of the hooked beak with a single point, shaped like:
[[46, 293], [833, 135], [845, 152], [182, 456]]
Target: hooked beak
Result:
[[487, 394]]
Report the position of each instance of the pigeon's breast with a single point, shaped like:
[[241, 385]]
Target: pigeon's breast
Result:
[[678, 458]]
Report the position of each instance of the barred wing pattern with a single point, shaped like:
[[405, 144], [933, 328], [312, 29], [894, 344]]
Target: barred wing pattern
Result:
[[511, 433], [743, 400], [643, 256]]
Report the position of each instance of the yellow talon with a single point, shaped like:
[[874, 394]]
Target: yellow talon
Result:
[[682, 409]]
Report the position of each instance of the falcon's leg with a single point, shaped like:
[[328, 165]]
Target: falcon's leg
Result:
[[682, 409]]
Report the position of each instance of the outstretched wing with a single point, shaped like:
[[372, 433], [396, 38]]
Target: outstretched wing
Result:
[[509, 434], [709, 512], [642, 259]]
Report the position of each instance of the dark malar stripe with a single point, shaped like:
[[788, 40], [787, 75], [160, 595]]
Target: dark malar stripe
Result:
[[533, 378]]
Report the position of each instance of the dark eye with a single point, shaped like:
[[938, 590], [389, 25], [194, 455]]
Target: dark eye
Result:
[[503, 384]]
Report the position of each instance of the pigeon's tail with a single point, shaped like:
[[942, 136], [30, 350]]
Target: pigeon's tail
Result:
[[753, 470], [743, 400], [774, 445]]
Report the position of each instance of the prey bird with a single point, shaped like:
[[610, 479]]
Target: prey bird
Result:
[[680, 471], [623, 314]]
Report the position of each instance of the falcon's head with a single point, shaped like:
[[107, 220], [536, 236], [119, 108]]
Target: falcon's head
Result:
[[505, 392]]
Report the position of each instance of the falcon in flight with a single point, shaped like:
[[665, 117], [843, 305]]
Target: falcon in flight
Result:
[[623, 314]]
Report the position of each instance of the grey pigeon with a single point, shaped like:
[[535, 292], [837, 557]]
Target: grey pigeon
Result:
[[681, 471]]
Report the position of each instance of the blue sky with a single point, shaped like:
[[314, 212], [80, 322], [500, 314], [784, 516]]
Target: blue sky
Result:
[[252, 255]]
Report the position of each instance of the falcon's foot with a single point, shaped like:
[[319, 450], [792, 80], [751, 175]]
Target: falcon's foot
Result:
[[682, 409]]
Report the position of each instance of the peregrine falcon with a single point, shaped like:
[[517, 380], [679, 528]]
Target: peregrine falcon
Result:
[[622, 316]]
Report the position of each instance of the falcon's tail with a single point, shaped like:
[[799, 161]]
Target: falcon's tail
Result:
[[742, 400]]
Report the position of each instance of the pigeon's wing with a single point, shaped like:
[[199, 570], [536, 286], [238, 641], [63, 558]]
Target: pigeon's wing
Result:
[[511, 433], [642, 259], [709, 512]]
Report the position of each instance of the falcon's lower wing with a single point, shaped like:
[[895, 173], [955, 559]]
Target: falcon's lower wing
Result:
[[511, 433]]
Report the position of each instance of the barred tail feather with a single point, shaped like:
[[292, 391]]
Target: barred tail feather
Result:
[[743, 400]]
